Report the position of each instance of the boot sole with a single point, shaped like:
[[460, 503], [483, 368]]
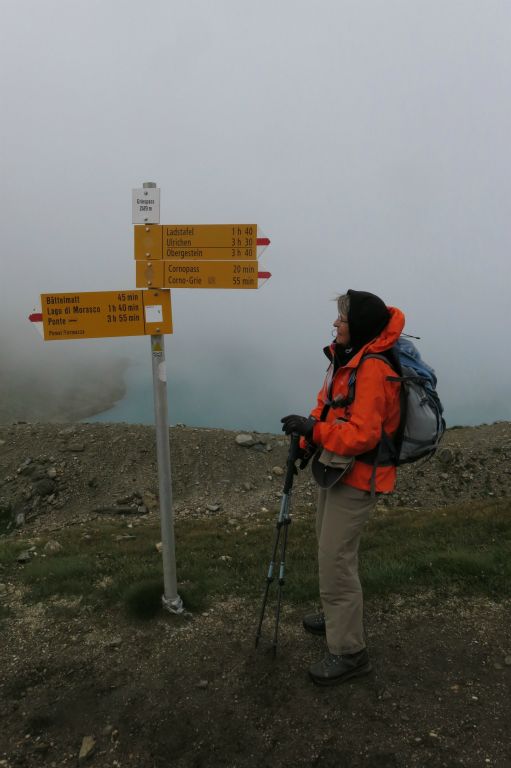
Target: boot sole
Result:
[[359, 672], [318, 632]]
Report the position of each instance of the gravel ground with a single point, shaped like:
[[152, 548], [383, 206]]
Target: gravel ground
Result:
[[52, 474], [192, 690]]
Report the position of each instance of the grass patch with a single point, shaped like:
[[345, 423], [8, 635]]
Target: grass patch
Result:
[[464, 549], [11, 548], [5, 612], [143, 600], [66, 575]]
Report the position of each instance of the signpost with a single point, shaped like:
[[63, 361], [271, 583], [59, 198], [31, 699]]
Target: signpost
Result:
[[197, 274], [167, 256], [146, 204], [170, 599], [199, 255], [199, 241], [94, 315]]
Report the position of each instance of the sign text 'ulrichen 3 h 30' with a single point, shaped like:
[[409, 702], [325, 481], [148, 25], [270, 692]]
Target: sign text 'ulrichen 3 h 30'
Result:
[[197, 274], [97, 314], [196, 241]]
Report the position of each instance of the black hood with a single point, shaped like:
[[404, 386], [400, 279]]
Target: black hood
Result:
[[367, 317]]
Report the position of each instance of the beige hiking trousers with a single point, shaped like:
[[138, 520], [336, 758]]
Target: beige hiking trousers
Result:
[[341, 514]]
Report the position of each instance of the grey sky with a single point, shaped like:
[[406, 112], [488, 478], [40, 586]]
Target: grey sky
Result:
[[369, 140]]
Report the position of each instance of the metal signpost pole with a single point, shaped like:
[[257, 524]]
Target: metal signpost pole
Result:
[[170, 599]]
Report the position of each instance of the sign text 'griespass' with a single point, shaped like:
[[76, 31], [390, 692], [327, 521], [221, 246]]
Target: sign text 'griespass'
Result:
[[145, 205]]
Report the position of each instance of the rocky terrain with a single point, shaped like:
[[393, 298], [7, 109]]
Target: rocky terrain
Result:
[[51, 475], [81, 686]]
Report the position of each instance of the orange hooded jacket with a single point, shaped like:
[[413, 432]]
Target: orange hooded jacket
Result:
[[375, 408]]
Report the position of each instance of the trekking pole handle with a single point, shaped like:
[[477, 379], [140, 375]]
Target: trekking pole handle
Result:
[[292, 456]]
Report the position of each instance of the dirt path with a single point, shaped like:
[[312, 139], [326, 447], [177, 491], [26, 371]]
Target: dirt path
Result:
[[193, 691]]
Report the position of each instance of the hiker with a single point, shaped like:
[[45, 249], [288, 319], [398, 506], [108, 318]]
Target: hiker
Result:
[[345, 437]]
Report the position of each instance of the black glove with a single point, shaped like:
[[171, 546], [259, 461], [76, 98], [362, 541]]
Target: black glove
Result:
[[298, 425], [306, 454]]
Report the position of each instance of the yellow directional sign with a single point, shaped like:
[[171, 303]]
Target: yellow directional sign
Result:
[[97, 314], [148, 241], [172, 273], [196, 241]]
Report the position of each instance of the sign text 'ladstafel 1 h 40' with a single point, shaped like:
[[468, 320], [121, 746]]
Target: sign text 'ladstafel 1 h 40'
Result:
[[219, 242]]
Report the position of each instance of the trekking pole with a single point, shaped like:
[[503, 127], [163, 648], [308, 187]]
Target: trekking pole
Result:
[[283, 522]]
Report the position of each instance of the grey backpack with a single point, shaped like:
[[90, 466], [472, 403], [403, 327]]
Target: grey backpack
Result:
[[421, 424]]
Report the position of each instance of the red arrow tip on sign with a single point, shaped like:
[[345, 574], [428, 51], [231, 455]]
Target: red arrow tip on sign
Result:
[[264, 275], [36, 317], [263, 241]]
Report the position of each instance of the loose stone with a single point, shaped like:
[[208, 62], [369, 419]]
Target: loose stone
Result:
[[115, 642], [76, 447], [445, 456], [44, 487], [245, 440], [52, 547], [150, 501], [87, 748]]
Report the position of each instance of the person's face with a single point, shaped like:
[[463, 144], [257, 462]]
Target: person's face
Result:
[[343, 331]]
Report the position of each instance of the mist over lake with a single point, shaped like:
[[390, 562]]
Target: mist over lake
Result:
[[230, 407], [369, 141]]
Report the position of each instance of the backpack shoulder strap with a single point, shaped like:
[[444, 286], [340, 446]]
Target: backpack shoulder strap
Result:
[[350, 397], [394, 443]]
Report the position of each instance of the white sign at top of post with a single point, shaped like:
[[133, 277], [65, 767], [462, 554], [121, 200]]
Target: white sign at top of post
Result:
[[146, 205]]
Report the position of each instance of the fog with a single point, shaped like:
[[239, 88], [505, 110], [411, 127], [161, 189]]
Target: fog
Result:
[[369, 140]]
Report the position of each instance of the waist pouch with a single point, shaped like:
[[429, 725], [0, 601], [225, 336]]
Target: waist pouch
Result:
[[329, 467]]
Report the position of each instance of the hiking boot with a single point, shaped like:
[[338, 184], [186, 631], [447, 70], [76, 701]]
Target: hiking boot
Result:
[[314, 623], [334, 669]]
